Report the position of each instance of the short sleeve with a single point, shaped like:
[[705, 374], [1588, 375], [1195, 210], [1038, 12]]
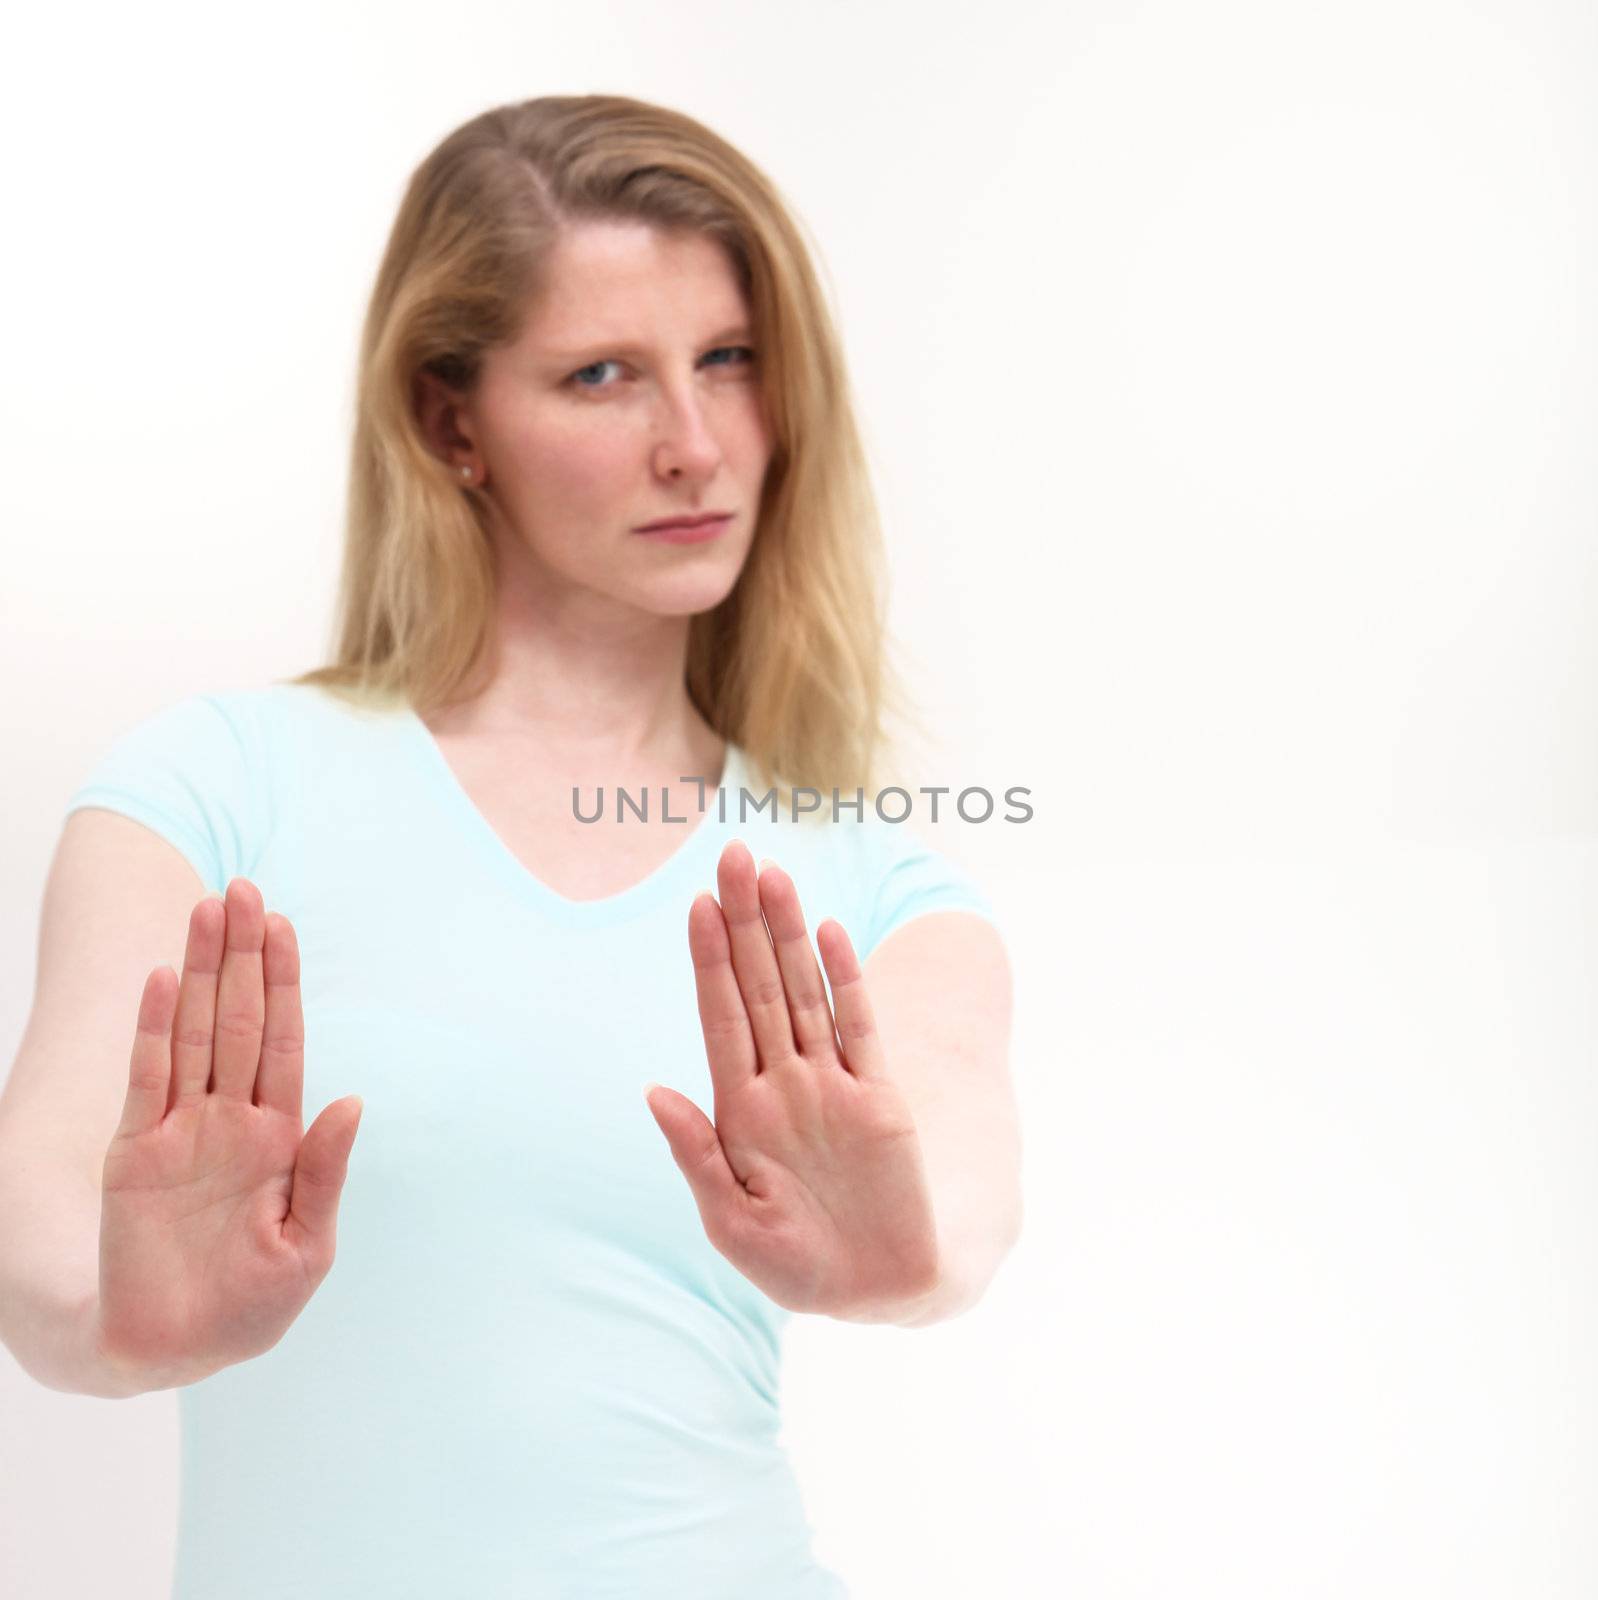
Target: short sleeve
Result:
[[910, 878], [186, 773]]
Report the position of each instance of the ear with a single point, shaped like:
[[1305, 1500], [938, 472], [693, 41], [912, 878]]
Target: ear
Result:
[[441, 410]]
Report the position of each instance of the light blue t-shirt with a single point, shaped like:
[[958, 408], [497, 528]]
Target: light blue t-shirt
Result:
[[528, 1374]]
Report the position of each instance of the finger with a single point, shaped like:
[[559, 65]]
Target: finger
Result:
[[195, 1022], [150, 1069], [801, 974], [280, 1081], [320, 1171], [753, 960], [729, 1040], [718, 1191], [857, 1027], [240, 997]]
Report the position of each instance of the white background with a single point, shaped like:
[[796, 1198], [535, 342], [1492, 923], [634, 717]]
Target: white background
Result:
[[1229, 376]]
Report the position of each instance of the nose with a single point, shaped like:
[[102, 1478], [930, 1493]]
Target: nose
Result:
[[684, 441]]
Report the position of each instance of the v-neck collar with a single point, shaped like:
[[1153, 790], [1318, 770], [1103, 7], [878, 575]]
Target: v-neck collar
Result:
[[696, 855]]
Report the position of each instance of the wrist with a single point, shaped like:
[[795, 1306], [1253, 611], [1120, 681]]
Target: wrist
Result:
[[103, 1373], [114, 1375]]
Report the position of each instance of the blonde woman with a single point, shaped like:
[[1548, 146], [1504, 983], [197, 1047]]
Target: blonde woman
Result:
[[548, 1362]]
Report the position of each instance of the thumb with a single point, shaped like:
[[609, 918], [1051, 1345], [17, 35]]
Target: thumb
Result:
[[320, 1170], [696, 1148]]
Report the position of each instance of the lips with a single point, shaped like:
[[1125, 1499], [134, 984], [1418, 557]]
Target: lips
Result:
[[698, 521]]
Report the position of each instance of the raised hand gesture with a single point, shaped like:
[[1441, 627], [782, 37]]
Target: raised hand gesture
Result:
[[218, 1210], [810, 1181]]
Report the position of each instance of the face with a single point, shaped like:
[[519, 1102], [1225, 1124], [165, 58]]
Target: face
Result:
[[630, 394]]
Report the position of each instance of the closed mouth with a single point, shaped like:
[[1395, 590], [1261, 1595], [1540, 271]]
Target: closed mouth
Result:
[[685, 522]]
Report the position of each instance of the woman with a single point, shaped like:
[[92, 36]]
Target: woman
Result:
[[548, 1362]]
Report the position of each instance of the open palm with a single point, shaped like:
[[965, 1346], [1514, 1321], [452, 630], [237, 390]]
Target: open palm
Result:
[[810, 1180], [218, 1210]]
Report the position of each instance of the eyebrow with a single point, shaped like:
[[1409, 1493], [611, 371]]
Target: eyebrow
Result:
[[595, 347]]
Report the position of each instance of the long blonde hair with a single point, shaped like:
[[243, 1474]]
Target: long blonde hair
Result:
[[792, 665]]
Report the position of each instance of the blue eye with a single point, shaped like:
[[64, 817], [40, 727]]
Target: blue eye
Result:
[[735, 348], [593, 366]]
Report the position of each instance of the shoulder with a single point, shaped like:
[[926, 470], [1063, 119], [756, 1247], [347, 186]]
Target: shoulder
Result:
[[896, 874], [193, 771], [224, 743]]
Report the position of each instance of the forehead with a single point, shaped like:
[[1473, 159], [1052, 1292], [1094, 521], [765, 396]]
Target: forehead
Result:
[[625, 280]]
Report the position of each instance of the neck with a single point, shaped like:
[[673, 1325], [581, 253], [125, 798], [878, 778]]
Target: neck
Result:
[[588, 683]]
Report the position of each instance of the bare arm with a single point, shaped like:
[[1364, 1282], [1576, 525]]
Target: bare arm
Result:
[[49, 1257], [116, 903], [217, 1208], [941, 988]]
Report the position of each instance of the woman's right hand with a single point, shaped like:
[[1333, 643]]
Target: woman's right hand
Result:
[[218, 1214]]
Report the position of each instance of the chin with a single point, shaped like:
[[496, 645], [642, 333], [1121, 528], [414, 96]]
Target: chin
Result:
[[686, 594]]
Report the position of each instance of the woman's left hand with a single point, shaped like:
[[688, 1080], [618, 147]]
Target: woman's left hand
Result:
[[810, 1181]]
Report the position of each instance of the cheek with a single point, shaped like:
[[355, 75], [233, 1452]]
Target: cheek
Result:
[[572, 461], [751, 438]]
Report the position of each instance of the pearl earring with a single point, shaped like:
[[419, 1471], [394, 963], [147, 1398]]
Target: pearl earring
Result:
[[466, 473]]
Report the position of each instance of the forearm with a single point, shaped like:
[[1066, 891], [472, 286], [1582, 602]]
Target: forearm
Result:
[[49, 1277], [974, 1175], [967, 1270]]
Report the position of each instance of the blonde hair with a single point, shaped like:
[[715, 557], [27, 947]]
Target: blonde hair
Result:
[[791, 666]]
